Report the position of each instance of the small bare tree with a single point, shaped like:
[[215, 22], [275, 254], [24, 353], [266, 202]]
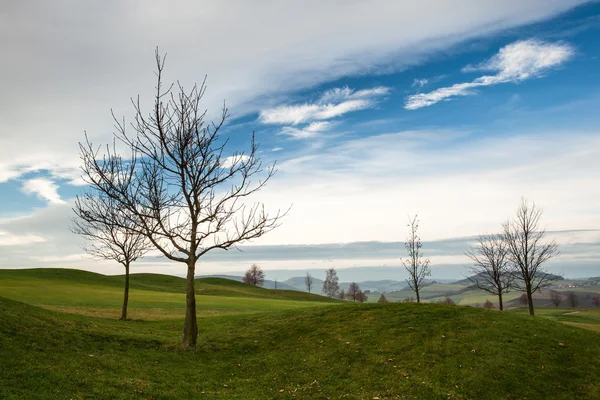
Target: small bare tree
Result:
[[308, 281], [341, 295], [416, 265], [596, 300], [331, 284], [448, 301], [353, 290], [112, 238], [556, 298], [255, 276], [573, 299], [488, 305], [491, 270], [382, 299], [528, 252], [177, 187], [362, 296]]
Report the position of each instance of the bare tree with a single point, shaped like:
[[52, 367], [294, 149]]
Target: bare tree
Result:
[[491, 269], [308, 281], [524, 299], [528, 252], [556, 298], [361, 296], [448, 301], [353, 290], [596, 300], [382, 299], [341, 295], [254, 276], [180, 189], [112, 238], [416, 265], [488, 305], [331, 284], [573, 299]]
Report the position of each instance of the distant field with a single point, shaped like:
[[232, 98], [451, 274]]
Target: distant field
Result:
[[151, 296], [587, 319]]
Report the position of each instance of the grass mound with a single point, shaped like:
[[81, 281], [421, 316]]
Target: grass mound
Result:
[[350, 351]]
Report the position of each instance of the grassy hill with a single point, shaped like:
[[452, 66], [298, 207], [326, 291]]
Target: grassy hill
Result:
[[152, 296], [352, 351]]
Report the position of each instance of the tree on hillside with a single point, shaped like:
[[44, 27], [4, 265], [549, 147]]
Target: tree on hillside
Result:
[[382, 299], [341, 295], [523, 299], [573, 299], [254, 276], [308, 281], [111, 238], [556, 298], [527, 250], [491, 270], [448, 301], [177, 187], [596, 300], [331, 284], [361, 296], [416, 265], [488, 305], [353, 291]]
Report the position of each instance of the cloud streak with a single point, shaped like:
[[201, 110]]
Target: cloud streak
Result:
[[44, 189], [514, 63]]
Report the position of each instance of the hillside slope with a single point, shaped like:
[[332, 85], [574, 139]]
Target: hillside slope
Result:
[[351, 351]]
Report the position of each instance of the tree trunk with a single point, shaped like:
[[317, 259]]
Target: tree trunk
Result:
[[190, 326], [530, 300], [500, 304], [417, 292], [126, 294]]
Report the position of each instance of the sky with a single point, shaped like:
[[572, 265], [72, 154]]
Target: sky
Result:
[[373, 110]]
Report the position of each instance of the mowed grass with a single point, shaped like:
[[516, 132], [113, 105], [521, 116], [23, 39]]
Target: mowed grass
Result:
[[587, 319], [151, 296], [349, 351]]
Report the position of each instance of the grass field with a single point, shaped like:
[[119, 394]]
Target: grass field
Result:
[[279, 348]]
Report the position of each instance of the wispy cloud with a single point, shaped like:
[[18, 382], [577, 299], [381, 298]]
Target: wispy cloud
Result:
[[333, 103], [514, 63], [313, 129], [43, 188]]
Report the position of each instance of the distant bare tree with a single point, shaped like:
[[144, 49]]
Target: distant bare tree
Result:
[[255, 276], [488, 305], [331, 284], [448, 301], [111, 238], [341, 295], [353, 291], [308, 281], [573, 299], [382, 299], [182, 192], [408, 299], [362, 296], [524, 299], [556, 298], [527, 250], [596, 300], [491, 270], [416, 265], [275, 282]]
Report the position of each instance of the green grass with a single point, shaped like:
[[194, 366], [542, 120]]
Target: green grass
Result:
[[350, 351], [66, 342]]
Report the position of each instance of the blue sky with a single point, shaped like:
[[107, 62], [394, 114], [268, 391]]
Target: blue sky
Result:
[[373, 110]]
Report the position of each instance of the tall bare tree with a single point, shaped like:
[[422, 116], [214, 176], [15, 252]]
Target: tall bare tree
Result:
[[112, 238], [573, 299], [177, 185], [491, 270], [331, 284], [416, 264], [362, 296], [528, 252], [255, 276], [556, 298], [308, 281], [596, 300], [353, 290]]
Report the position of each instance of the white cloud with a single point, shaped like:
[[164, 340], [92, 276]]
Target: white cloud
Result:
[[514, 63], [333, 103], [419, 83], [274, 149], [44, 189], [313, 129], [8, 239], [228, 162]]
